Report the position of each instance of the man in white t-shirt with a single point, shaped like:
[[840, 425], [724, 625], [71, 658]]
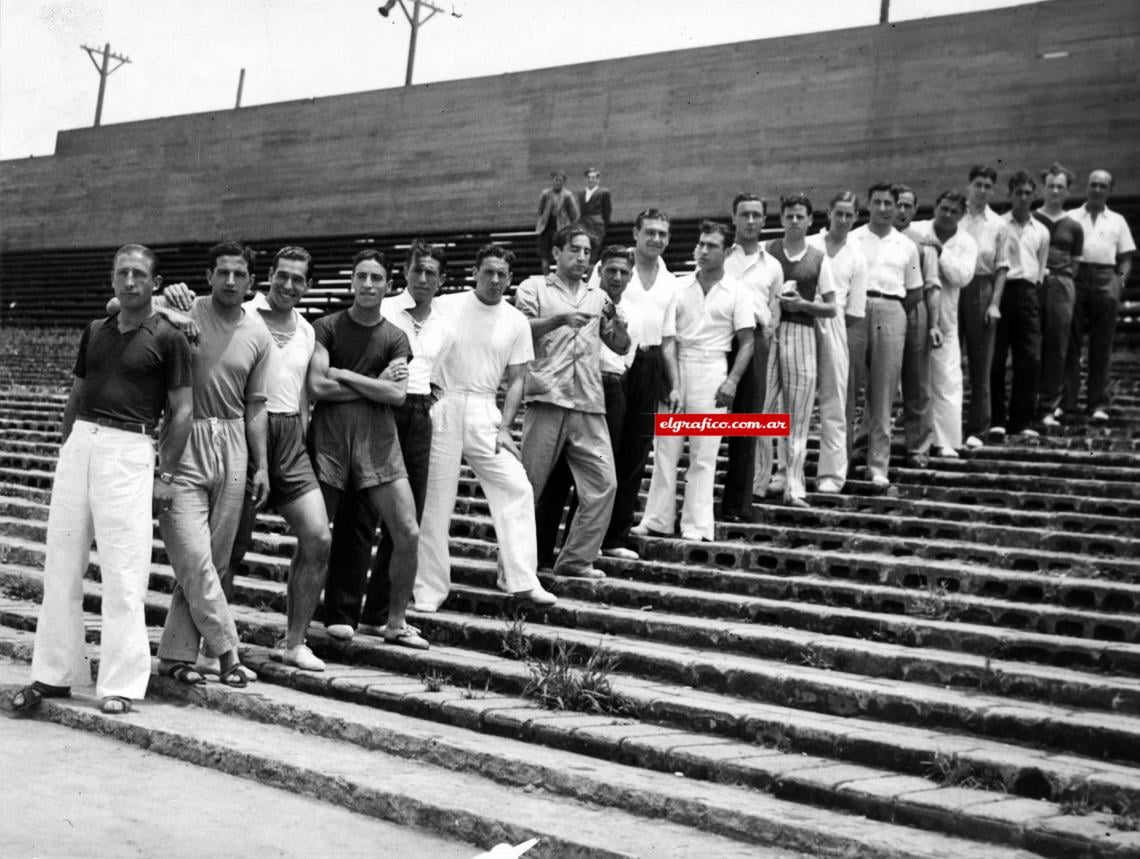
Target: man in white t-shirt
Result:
[[491, 338]]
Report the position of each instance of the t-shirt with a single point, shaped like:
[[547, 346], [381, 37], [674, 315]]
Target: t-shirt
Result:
[[126, 375], [363, 349], [288, 361], [488, 339], [231, 362], [1066, 242]]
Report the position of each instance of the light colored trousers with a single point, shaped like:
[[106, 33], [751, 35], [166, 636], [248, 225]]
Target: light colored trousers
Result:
[[464, 426], [701, 374], [792, 371], [550, 430], [831, 339], [103, 487], [886, 339], [198, 530], [946, 390]]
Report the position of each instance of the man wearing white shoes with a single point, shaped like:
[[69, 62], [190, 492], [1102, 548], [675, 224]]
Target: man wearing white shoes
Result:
[[491, 338]]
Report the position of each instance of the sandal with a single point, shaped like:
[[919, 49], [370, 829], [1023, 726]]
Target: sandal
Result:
[[406, 636], [234, 676], [116, 705], [183, 672], [29, 698]]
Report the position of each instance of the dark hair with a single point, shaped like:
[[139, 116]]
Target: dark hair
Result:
[[879, 187], [147, 253], [955, 197], [297, 253], [591, 169], [725, 231], [567, 234], [373, 256], [983, 170], [1058, 169], [495, 251], [899, 188], [557, 174], [231, 249], [649, 215], [1021, 177], [790, 200], [844, 197], [420, 249], [749, 198], [616, 252]]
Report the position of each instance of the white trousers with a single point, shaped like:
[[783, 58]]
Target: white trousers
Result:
[[464, 426], [701, 375], [103, 487], [831, 340], [791, 389], [946, 390]]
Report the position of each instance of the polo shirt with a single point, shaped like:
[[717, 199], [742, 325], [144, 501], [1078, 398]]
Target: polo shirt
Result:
[[761, 273], [1106, 238], [892, 261], [429, 339], [708, 322], [1066, 242], [848, 272], [1028, 248], [489, 338], [288, 361], [126, 375], [988, 231], [231, 362]]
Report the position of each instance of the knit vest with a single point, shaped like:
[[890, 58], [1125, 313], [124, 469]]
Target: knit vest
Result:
[[804, 271]]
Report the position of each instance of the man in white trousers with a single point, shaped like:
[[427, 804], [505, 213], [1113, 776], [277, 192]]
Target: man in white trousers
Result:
[[709, 309], [491, 338], [131, 367]]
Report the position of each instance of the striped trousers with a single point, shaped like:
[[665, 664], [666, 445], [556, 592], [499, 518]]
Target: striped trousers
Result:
[[791, 388]]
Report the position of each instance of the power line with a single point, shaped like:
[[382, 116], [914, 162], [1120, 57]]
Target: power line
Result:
[[104, 73]]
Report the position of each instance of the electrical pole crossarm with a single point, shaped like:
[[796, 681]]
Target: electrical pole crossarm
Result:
[[104, 72]]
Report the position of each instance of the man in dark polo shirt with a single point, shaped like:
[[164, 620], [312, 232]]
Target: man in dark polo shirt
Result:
[[131, 367], [354, 443]]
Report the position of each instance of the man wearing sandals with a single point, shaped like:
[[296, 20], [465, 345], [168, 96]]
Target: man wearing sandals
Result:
[[131, 366]]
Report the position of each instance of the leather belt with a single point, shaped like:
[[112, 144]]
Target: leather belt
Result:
[[126, 426]]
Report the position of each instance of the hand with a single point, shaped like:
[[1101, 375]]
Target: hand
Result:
[[912, 300], [673, 403], [993, 314], [178, 296], [503, 441], [259, 487], [394, 373], [935, 337], [162, 498], [576, 319], [725, 393]]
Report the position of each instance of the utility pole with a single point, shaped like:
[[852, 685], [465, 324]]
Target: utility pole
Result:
[[104, 73], [415, 22], [241, 83], [884, 11]]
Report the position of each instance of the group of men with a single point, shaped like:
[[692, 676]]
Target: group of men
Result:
[[405, 388]]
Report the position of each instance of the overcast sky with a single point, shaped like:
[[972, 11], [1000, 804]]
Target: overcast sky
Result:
[[186, 55]]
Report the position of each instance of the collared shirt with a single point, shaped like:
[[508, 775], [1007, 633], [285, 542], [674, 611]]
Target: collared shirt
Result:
[[429, 339], [566, 370], [1028, 245], [988, 232], [927, 258], [489, 338], [761, 273], [653, 306], [1066, 241], [1106, 239], [288, 360], [848, 270], [612, 362], [892, 261], [708, 321], [957, 262]]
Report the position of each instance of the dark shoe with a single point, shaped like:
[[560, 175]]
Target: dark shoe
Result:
[[28, 699], [738, 516], [918, 460], [183, 672], [235, 676]]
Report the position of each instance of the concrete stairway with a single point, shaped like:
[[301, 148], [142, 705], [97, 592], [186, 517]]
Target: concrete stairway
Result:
[[950, 669]]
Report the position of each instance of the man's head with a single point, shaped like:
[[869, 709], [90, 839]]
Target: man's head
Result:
[[616, 269], [572, 253], [841, 213], [369, 279], [882, 201], [983, 177], [425, 269], [795, 215], [949, 209], [1100, 185], [748, 214], [230, 272], [906, 205], [289, 278], [492, 273], [134, 276], [712, 246], [557, 179], [1022, 190], [593, 177], [1056, 182], [651, 233]]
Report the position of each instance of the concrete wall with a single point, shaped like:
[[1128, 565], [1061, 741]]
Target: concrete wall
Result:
[[917, 102]]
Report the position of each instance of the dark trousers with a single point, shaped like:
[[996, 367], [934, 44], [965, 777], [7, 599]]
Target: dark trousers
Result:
[[354, 530], [749, 399], [978, 346], [549, 505], [1057, 294], [1097, 300], [1018, 332], [546, 246], [917, 419]]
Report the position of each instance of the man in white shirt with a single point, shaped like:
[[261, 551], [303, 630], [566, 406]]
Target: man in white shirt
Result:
[[892, 274], [491, 338], [1019, 328], [748, 262], [1105, 266], [709, 309]]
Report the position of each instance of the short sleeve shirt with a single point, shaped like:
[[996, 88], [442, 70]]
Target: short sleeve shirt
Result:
[[126, 375], [849, 275], [288, 361], [988, 232], [761, 273], [429, 340], [231, 362], [488, 339], [653, 306], [892, 261], [1028, 245], [708, 321], [363, 349], [1066, 242], [1106, 239]]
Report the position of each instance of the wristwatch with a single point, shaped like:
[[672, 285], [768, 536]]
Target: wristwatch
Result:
[[166, 477]]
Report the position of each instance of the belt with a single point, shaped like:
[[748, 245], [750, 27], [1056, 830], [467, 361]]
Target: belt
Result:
[[418, 398], [701, 353], [1099, 266], [606, 374], [648, 350], [873, 294], [126, 426]]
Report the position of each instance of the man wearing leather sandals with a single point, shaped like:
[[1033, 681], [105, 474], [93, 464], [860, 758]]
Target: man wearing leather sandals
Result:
[[132, 366]]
